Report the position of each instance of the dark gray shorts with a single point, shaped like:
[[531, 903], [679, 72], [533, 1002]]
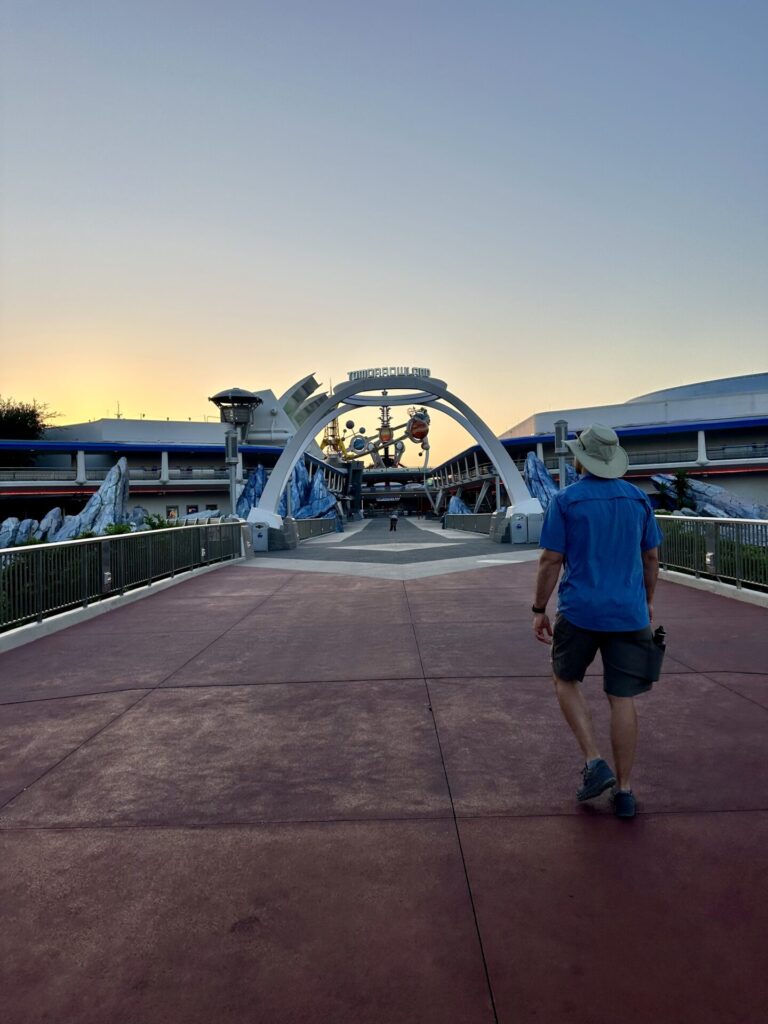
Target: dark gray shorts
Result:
[[625, 657]]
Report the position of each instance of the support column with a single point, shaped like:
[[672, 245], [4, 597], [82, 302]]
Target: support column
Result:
[[498, 493], [702, 453], [165, 472], [240, 474], [80, 477], [540, 450]]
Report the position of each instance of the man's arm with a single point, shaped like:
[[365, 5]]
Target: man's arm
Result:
[[650, 575], [550, 563]]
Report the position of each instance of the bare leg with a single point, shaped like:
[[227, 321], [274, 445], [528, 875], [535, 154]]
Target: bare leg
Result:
[[577, 714], [623, 737]]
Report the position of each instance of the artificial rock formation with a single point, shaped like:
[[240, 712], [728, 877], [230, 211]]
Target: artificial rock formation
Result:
[[105, 507], [49, 525], [8, 530]]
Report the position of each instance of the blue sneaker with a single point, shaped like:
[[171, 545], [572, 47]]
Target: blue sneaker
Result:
[[597, 779], [624, 805]]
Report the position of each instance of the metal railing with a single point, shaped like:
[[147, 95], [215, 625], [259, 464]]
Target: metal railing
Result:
[[38, 474], [314, 527], [190, 473], [45, 579], [480, 523], [738, 451], [93, 475], [731, 550]]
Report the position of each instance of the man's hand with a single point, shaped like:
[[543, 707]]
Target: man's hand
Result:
[[550, 564], [542, 628]]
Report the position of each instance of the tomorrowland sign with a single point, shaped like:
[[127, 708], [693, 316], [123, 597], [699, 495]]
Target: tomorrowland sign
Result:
[[389, 371]]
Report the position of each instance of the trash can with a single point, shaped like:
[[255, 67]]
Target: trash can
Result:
[[260, 534], [518, 532]]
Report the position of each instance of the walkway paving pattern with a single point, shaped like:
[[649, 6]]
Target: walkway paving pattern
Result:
[[281, 795]]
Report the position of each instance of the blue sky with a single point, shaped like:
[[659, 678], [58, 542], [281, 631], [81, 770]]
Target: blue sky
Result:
[[549, 204]]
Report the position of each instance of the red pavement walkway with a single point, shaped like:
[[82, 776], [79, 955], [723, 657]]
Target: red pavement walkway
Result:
[[278, 796]]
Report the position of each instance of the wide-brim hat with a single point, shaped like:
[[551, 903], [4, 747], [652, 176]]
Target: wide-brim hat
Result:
[[598, 450]]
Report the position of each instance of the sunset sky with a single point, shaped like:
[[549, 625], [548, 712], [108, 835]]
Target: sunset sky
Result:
[[549, 204]]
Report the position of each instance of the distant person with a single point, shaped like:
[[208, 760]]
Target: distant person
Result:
[[603, 532], [393, 520]]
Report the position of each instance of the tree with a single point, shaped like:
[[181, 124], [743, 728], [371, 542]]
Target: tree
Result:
[[23, 421], [682, 490]]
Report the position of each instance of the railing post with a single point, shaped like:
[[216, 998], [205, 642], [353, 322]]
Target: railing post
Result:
[[173, 554], [84, 574], [39, 583]]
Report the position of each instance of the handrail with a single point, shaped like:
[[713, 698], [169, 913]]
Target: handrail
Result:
[[730, 550], [40, 580]]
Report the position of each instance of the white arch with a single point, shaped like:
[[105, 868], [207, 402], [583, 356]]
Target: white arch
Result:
[[342, 400]]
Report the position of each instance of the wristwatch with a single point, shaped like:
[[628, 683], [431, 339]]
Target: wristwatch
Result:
[[539, 611]]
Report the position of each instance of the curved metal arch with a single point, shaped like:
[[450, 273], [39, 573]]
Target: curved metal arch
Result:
[[337, 403]]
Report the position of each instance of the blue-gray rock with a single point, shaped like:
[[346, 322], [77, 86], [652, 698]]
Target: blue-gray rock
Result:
[[712, 496], [25, 531], [137, 515], [8, 530], [49, 524], [298, 485], [538, 480], [105, 507], [252, 491], [456, 507], [319, 500], [70, 527]]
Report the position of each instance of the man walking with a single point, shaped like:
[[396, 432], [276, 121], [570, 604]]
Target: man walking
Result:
[[603, 531], [393, 520]]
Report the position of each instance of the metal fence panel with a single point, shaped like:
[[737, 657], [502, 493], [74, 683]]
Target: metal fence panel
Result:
[[479, 523], [732, 550], [314, 527], [40, 580]]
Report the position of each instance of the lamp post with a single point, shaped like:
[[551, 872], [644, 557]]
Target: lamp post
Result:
[[235, 408], [561, 435]]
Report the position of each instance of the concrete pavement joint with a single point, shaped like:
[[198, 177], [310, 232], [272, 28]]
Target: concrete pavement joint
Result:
[[578, 813], [391, 571], [145, 694], [725, 686], [455, 820]]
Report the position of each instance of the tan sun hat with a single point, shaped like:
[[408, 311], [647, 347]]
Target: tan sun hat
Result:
[[598, 450]]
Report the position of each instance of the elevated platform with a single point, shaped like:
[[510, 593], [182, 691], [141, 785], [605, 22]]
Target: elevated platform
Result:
[[281, 795]]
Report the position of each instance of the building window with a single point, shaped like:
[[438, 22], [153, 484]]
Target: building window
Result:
[[171, 511], [211, 508], [191, 509]]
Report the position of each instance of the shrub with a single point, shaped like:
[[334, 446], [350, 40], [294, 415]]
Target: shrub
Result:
[[157, 522], [751, 565], [116, 528]]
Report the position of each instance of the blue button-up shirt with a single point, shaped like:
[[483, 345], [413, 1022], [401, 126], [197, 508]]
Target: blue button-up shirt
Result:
[[601, 527]]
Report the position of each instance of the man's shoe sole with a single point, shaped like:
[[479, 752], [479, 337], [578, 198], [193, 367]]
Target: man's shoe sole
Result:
[[591, 796], [626, 816]]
